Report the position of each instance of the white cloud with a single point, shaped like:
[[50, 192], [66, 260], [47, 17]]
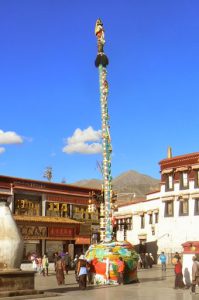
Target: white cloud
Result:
[[10, 137], [2, 150], [82, 141]]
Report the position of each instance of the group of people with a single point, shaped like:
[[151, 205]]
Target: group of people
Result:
[[40, 264], [84, 271], [146, 260], [179, 276], [177, 262]]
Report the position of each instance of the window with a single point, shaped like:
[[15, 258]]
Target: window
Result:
[[196, 208], [168, 209], [184, 184], [27, 205], [56, 209], [153, 229], [119, 225], [196, 178], [156, 217], [124, 224], [129, 223], [150, 219], [184, 208], [169, 182], [142, 221]]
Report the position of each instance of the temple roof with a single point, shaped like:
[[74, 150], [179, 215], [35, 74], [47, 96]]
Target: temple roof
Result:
[[44, 219]]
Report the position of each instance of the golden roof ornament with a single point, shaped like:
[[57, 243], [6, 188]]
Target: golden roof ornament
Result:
[[169, 152]]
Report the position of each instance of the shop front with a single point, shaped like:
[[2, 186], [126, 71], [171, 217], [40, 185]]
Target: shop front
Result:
[[51, 216], [46, 235]]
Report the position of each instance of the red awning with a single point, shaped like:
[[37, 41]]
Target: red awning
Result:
[[82, 240]]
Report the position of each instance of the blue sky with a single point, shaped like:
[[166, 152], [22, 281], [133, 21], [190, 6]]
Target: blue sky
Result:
[[49, 86]]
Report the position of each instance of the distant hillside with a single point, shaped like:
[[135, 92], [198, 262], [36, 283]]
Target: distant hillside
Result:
[[91, 183], [132, 182]]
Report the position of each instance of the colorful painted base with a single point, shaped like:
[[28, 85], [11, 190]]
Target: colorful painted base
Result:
[[103, 259]]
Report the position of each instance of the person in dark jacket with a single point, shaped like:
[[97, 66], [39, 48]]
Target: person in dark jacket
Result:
[[67, 262]]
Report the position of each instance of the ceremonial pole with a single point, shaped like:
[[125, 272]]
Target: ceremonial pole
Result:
[[105, 256], [101, 63]]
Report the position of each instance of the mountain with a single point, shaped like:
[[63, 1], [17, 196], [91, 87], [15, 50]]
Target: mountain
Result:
[[90, 183], [128, 185]]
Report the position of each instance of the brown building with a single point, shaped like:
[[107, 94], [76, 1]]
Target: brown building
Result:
[[52, 217]]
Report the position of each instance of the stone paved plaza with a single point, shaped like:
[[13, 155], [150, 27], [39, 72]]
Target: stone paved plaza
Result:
[[154, 285]]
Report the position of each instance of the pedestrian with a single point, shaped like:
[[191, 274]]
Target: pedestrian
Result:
[[139, 265], [76, 265], [55, 258], [148, 261], [35, 263], [145, 261], [163, 260], [195, 274], [89, 272], [40, 267], [120, 270], [45, 264], [59, 269], [178, 275], [151, 260], [82, 272], [67, 262], [177, 255], [175, 258], [142, 257]]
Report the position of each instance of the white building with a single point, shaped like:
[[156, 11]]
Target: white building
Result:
[[168, 217]]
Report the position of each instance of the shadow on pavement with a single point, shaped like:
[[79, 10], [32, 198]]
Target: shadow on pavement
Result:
[[76, 288], [152, 279]]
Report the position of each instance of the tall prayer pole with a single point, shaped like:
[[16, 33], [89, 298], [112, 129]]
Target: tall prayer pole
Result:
[[101, 63], [104, 256]]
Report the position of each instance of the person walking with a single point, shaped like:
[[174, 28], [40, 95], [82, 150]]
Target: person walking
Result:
[[163, 260], [35, 264], [151, 260], [45, 264], [120, 270], [76, 266], [67, 262], [40, 267], [59, 269], [55, 258], [175, 258], [82, 272], [195, 275], [178, 275]]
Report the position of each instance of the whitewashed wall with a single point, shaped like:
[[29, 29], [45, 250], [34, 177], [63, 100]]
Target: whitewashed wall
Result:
[[170, 232], [134, 209]]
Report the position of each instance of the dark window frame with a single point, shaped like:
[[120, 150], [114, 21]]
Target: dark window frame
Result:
[[142, 221], [129, 223], [150, 219], [166, 209], [196, 178], [167, 187], [182, 185], [156, 217], [196, 207], [181, 208]]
